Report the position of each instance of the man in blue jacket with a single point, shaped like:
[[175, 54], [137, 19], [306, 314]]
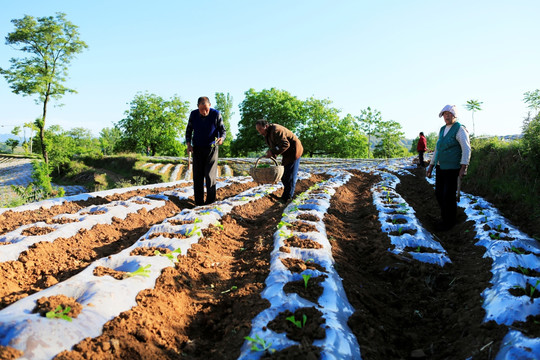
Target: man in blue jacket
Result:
[[204, 133]]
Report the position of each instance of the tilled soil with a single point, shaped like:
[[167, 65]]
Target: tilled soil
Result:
[[202, 307]]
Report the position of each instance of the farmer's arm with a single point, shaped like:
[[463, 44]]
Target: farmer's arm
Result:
[[462, 137]]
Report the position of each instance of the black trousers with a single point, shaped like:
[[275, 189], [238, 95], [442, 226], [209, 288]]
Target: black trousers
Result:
[[205, 160], [445, 192], [421, 158]]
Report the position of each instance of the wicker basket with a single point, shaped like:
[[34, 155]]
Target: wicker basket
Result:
[[269, 175]]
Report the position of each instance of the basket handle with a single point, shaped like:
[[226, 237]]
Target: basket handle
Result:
[[273, 159]]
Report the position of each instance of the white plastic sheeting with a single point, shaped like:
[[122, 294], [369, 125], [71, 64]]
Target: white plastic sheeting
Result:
[[104, 298], [499, 237], [383, 193], [339, 342]]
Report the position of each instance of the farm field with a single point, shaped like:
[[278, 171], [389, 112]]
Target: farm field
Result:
[[352, 268]]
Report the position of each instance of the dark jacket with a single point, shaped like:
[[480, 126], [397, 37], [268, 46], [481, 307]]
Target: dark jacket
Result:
[[283, 142], [203, 130]]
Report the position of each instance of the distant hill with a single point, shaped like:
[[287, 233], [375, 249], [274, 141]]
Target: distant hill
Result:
[[4, 137]]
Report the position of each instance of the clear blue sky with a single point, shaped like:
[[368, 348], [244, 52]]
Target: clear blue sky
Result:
[[406, 59]]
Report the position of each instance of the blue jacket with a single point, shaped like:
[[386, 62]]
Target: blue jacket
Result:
[[203, 131]]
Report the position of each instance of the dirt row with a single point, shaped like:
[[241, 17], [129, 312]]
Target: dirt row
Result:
[[203, 306]]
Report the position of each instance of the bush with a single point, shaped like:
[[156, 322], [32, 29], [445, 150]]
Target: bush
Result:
[[506, 174]]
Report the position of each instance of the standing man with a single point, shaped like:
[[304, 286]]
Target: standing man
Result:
[[421, 147], [204, 133], [451, 158], [282, 141]]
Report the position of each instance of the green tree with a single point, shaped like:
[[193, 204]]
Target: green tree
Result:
[[51, 42], [154, 123], [390, 137], [32, 128], [431, 140], [532, 98], [325, 134], [276, 106], [473, 105], [224, 104], [369, 122], [83, 141], [12, 143], [108, 137]]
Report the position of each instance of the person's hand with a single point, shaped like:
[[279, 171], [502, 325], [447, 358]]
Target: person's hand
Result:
[[463, 170], [269, 154], [429, 170], [189, 148], [219, 141]]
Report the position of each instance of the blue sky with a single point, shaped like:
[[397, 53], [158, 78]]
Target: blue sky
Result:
[[406, 59]]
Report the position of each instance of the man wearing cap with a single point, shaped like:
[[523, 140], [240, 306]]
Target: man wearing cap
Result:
[[451, 158], [204, 133]]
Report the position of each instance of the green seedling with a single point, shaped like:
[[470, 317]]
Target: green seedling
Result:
[[193, 231], [220, 226], [523, 270], [516, 250], [282, 223], [310, 260], [499, 228], [171, 256], [231, 289], [142, 271], [293, 209], [400, 230], [417, 249], [533, 288], [306, 279], [197, 220], [495, 236], [299, 324], [59, 313], [259, 344]]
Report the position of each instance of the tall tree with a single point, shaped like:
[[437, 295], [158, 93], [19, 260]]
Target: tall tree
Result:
[[224, 104], [532, 98], [390, 136], [473, 105], [276, 106], [369, 121], [108, 137], [155, 123], [325, 134], [32, 127], [51, 42]]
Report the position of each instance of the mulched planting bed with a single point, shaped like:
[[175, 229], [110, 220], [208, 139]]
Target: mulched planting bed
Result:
[[202, 305]]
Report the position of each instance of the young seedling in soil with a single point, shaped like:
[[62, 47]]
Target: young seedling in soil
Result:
[[516, 250], [59, 313], [495, 236], [171, 256], [299, 324], [306, 279], [400, 230], [260, 344], [531, 291], [229, 290], [282, 223], [193, 231], [142, 271]]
